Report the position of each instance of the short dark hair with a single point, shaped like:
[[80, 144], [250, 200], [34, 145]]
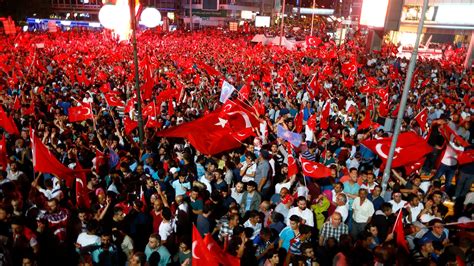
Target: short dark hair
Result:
[[295, 218], [166, 213]]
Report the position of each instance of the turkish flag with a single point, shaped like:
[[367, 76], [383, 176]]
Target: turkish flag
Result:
[[465, 157], [105, 88], [243, 134], [349, 67], [400, 233], [314, 169], [422, 118], [313, 41], [215, 250], [210, 70], [312, 122], [113, 100], [129, 124], [292, 166], [449, 134], [244, 92], [80, 113], [152, 122], [45, 162], [200, 254], [299, 121], [82, 193], [367, 122], [7, 123], [410, 148], [214, 132], [325, 115], [314, 86], [415, 166]]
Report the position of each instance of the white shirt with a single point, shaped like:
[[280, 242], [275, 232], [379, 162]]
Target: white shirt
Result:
[[362, 213], [397, 206], [279, 186], [237, 196], [415, 211], [256, 228], [207, 183], [166, 229], [250, 170], [450, 157], [307, 215], [85, 239], [344, 211]]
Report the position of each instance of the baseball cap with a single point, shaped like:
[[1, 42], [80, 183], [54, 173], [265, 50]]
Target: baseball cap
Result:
[[174, 170]]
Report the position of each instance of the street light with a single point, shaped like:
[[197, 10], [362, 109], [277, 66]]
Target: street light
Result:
[[133, 25]]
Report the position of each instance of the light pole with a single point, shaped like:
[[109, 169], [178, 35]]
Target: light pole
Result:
[[282, 23], [312, 18], [133, 22], [191, 26], [406, 89]]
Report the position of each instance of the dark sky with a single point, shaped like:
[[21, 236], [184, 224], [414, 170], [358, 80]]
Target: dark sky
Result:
[[19, 9]]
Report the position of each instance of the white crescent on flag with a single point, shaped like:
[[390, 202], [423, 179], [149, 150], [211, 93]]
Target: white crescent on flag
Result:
[[194, 249]]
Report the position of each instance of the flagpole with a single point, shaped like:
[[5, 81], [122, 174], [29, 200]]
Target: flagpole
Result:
[[312, 18], [406, 89], [282, 23], [133, 19]]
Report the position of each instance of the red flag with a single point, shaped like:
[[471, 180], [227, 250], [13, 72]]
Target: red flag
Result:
[[100, 159], [170, 108], [259, 107], [80, 113], [367, 122], [105, 88], [243, 134], [45, 162], [30, 110], [400, 233], [325, 115], [450, 134], [292, 167], [422, 118], [313, 41], [200, 254], [410, 148], [244, 92], [299, 121], [130, 106], [314, 86], [17, 104], [465, 157], [152, 123], [312, 122], [3, 153], [113, 100], [314, 169], [210, 70], [415, 166], [349, 67], [213, 133], [7, 123], [129, 124], [215, 250], [82, 193]]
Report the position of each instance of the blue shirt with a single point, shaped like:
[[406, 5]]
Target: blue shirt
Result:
[[165, 256], [286, 235], [351, 189]]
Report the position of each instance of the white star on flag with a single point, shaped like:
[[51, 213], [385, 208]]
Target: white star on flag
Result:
[[222, 122]]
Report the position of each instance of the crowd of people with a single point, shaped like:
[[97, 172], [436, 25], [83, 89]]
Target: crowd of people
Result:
[[142, 201]]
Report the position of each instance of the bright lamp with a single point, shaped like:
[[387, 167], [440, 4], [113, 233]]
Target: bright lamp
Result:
[[150, 17], [107, 16]]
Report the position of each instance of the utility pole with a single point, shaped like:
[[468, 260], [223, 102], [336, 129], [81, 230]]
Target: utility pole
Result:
[[406, 89], [191, 25], [282, 23], [133, 21], [312, 18]]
